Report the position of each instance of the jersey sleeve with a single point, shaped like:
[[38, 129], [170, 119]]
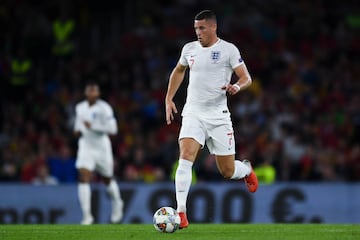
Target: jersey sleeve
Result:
[[235, 57], [77, 123], [183, 60], [108, 124]]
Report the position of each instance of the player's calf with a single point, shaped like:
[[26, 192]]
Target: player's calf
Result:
[[226, 165], [227, 173]]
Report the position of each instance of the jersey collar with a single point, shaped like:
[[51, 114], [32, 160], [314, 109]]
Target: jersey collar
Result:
[[216, 43]]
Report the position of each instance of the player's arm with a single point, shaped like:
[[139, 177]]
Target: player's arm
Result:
[[241, 71], [175, 80], [244, 77], [77, 124], [243, 82], [108, 125]]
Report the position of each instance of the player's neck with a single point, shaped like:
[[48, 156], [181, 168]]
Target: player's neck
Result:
[[91, 102], [213, 41]]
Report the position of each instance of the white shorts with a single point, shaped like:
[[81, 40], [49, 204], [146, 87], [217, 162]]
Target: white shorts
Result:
[[99, 160], [218, 134]]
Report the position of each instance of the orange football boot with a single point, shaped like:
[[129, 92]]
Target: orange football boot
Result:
[[184, 223], [251, 180]]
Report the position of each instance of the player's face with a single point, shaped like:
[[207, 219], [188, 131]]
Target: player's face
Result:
[[92, 92], [205, 31]]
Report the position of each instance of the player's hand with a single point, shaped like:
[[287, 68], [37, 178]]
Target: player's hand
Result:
[[77, 134], [170, 108], [87, 124], [232, 89]]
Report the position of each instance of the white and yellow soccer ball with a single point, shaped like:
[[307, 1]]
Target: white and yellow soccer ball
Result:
[[166, 220]]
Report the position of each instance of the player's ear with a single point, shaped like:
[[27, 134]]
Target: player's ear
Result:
[[214, 26]]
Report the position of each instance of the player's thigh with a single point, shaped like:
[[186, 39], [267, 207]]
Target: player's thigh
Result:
[[226, 165], [220, 140], [85, 163], [105, 163], [191, 138]]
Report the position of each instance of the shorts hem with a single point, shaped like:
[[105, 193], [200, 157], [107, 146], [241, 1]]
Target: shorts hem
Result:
[[197, 140], [86, 167], [223, 153]]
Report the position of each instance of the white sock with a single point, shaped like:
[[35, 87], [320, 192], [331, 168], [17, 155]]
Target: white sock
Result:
[[241, 170], [84, 194], [183, 179], [113, 191]]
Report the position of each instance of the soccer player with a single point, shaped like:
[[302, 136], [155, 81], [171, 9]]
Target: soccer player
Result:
[[206, 117], [94, 122]]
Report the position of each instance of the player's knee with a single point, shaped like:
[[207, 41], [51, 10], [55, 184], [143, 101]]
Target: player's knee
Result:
[[84, 176], [106, 181], [83, 179], [188, 155]]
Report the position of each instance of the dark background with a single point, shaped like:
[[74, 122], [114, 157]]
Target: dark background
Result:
[[301, 115]]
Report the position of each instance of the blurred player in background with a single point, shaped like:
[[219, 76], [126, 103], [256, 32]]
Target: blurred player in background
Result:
[[94, 122], [206, 117]]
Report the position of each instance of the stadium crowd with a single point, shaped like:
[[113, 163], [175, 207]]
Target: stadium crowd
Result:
[[301, 117]]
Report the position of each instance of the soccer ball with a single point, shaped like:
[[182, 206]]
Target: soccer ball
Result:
[[166, 219]]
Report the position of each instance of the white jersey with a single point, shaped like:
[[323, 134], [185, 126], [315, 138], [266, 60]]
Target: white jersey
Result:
[[101, 117], [211, 68]]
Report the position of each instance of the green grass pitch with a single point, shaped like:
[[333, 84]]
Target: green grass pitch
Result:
[[195, 231]]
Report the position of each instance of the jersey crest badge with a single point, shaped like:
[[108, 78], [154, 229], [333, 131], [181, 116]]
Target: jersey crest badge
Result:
[[215, 56]]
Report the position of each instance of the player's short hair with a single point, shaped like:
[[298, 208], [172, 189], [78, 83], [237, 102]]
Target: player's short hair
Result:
[[92, 83], [206, 15]]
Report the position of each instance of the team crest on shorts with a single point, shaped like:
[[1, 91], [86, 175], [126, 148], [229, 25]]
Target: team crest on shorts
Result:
[[215, 56]]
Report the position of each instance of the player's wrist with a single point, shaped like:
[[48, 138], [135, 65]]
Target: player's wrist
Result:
[[168, 100], [237, 86]]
